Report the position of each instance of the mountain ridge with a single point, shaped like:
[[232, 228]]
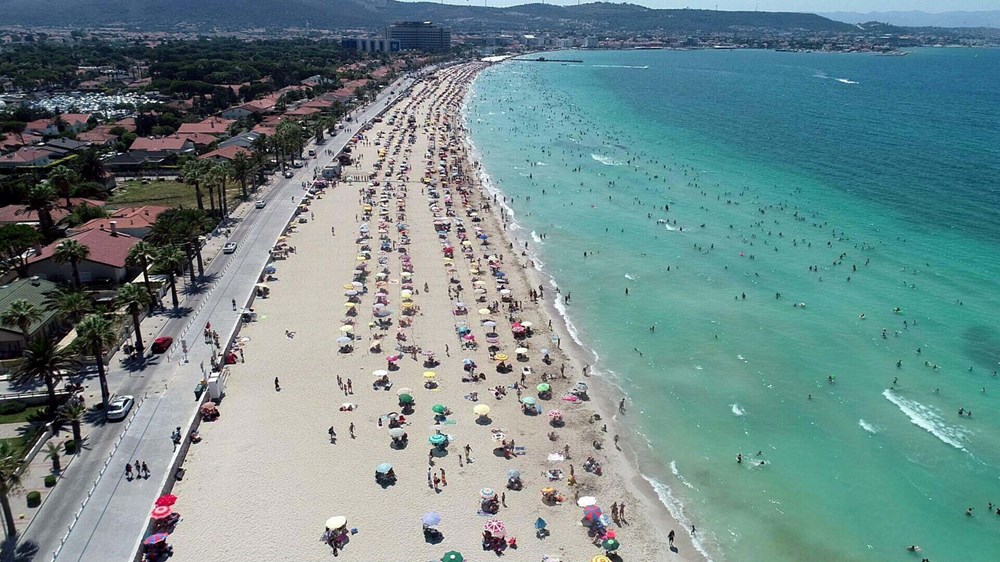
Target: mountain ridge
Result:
[[989, 18]]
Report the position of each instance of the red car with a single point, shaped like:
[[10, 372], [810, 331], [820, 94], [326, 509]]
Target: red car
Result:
[[161, 345]]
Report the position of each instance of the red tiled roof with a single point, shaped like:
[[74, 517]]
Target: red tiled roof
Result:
[[73, 118], [228, 153], [126, 217], [264, 130], [210, 126], [302, 111], [100, 135], [28, 154], [127, 123], [174, 143], [12, 214], [199, 139], [105, 248]]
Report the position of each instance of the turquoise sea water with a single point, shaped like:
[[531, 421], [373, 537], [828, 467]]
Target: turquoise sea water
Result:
[[850, 184]]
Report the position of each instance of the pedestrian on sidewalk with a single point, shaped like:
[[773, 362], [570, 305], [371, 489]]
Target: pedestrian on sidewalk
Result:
[[138, 468], [234, 304], [128, 471], [176, 437], [145, 469]]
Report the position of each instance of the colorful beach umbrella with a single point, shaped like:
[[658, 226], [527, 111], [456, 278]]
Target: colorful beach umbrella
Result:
[[431, 518], [529, 400], [155, 539], [591, 512], [543, 387], [500, 357], [555, 414], [611, 544], [540, 523], [487, 493], [161, 512], [404, 390], [495, 527], [166, 499], [452, 556], [439, 408], [600, 558], [437, 439]]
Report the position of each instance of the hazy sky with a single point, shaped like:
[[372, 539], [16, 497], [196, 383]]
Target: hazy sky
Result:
[[788, 5]]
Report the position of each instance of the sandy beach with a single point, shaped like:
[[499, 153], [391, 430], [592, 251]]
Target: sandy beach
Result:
[[268, 474]]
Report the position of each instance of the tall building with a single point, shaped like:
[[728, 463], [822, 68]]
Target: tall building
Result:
[[370, 45], [419, 36]]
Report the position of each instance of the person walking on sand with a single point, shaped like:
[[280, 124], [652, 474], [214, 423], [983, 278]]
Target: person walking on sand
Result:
[[277, 385], [444, 481], [350, 430], [670, 538], [621, 406], [333, 435], [621, 513], [437, 483]]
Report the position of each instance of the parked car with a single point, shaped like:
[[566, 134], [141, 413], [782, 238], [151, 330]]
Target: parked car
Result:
[[161, 344], [260, 204], [289, 174], [229, 248], [119, 408]]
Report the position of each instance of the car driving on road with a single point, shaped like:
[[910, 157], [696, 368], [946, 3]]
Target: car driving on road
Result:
[[119, 407], [229, 248]]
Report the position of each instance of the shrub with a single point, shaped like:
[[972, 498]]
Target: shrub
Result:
[[70, 447], [12, 407], [50, 480], [34, 498]]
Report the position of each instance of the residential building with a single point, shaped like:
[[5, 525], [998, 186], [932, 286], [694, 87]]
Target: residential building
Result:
[[215, 126], [30, 156], [106, 262], [245, 140], [420, 36], [226, 154], [173, 144], [21, 214], [371, 45], [34, 291], [134, 221]]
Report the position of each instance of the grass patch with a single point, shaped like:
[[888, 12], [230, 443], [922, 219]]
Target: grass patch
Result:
[[167, 193], [32, 413], [21, 445]]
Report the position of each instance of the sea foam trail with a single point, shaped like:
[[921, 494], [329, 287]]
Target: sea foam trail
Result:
[[606, 160], [676, 509], [867, 426], [737, 410], [927, 418]]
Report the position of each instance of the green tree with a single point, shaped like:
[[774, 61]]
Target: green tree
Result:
[[73, 411], [219, 175], [62, 179], [21, 314], [134, 298], [241, 170], [171, 260], [94, 336], [15, 240], [53, 452], [44, 361], [41, 199], [183, 227], [70, 302], [193, 172], [142, 256], [10, 483], [72, 252]]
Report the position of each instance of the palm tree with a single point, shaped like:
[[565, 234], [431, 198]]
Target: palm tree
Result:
[[133, 298], [90, 167], [52, 452], [94, 335], [44, 360], [61, 179], [241, 170], [73, 252], [193, 172], [73, 412], [10, 483], [142, 255], [171, 259], [41, 199], [73, 303], [21, 314]]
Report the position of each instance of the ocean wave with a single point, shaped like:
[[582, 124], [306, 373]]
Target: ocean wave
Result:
[[629, 277], [846, 81], [679, 476], [606, 160], [928, 419], [536, 238], [737, 410], [643, 67], [867, 426], [670, 228], [676, 509]]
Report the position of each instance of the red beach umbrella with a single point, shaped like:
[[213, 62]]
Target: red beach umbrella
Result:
[[591, 512], [166, 499], [161, 512]]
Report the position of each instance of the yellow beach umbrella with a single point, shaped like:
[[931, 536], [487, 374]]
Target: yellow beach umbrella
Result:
[[481, 410], [362, 258], [500, 356], [484, 311], [348, 286], [429, 374], [349, 305], [407, 305], [347, 328], [600, 558]]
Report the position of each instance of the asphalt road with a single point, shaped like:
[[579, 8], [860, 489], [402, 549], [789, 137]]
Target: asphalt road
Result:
[[113, 519]]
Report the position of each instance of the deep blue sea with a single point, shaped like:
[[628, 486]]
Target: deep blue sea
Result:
[[793, 257]]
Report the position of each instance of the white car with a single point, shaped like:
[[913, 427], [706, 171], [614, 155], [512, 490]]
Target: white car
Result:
[[119, 408], [289, 174], [229, 248], [260, 204]]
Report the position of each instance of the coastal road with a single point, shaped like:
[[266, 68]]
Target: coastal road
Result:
[[108, 518]]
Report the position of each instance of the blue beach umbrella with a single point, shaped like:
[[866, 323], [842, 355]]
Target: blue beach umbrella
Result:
[[431, 518], [383, 468], [540, 523]]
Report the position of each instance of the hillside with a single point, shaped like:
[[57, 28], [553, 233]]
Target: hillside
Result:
[[358, 14], [922, 19]]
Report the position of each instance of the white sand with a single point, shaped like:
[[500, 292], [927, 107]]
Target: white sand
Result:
[[266, 477]]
